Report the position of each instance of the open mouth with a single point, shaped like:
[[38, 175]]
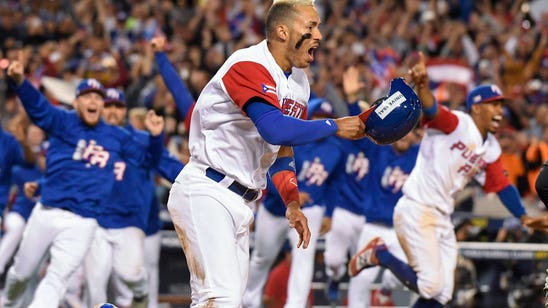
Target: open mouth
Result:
[[311, 52], [495, 121], [92, 110]]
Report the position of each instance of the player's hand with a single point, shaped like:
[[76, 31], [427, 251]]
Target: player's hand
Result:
[[154, 123], [298, 221], [158, 43], [326, 225], [30, 189], [418, 73], [352, 84], [16, 70], [538, 223], [350, 127]]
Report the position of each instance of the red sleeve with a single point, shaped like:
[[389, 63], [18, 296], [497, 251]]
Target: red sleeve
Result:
[[495, 177], [445, 120], [246, 80]]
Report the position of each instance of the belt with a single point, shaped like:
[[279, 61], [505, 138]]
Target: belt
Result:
[[247, 193]]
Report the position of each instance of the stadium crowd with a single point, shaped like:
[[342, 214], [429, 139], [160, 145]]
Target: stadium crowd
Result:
[[466, 43]]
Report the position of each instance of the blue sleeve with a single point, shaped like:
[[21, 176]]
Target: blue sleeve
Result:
[[511, 200], [277, 128], [169, 167], [181, 95], [147, 156], [39, 109], [354, 109]]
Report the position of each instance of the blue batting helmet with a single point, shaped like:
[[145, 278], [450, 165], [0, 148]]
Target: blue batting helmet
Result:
[[391, 117], [105, 305]]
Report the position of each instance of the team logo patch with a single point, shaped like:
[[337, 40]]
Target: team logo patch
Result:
[[268, 89]]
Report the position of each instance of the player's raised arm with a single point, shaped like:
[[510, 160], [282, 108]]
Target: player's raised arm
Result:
[[174, 83], [39, 109], [435, 115], [284, 178]]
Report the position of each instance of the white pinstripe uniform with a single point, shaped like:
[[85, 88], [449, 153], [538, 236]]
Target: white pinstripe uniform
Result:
[[445, 164], [212, 221]]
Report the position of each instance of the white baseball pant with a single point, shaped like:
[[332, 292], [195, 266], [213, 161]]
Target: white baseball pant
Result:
[[212, 224], [341, 240], [270, 234], [359, 294], [68, 237], [117, 251], [428, 239], [122, 294], [15, 226]]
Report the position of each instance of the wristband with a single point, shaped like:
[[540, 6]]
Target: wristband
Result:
[[430, 112], [284, 178]]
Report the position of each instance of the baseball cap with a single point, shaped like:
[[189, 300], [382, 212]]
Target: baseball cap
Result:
[[90, 85], [115, 96], [484, 94], [320, 107]]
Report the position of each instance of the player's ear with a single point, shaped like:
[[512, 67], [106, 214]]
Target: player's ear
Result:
[[282, 33]]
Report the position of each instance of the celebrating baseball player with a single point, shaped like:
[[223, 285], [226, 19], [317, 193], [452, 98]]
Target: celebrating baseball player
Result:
[[348, 218], [119, 240], [17, 217], [79, 167], [314, 163], [249, 108], [457, 147]]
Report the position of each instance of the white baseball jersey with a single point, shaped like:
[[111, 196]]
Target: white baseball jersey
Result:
[[453, 152], [219, 128]]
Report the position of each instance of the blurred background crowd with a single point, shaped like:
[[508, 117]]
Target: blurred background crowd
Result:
[[466, 43]]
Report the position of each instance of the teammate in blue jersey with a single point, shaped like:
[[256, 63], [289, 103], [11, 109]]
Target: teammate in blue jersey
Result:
[[381, 191], [118, 246], [314, 163], [11, 154], [79, 166], [20, 210]]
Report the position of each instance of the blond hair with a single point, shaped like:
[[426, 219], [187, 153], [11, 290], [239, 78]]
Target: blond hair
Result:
[[282, 12]]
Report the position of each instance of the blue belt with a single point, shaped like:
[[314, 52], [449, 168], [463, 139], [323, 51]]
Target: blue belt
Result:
[[247, 193]]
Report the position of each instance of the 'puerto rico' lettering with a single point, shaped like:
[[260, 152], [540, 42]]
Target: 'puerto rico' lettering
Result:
[[292, 108], [474, 162]]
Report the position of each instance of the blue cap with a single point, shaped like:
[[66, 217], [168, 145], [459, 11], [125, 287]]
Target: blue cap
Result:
[[115, 96], [320, 107], [484, 94], [90, 85]]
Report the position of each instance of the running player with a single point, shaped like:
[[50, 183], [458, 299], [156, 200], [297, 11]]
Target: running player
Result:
[[118, 246], [456, 148], [79, 167], [249, 108]]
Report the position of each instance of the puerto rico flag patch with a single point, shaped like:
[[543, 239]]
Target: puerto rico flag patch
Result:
[[268, 89]]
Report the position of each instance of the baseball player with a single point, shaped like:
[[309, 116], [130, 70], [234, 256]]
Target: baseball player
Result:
[[17, 217], [456, 148], [248, 109], [118, 245], [389, 168], [11, 154], [348, 218], [152, 242], [314, 163], [80, 163]]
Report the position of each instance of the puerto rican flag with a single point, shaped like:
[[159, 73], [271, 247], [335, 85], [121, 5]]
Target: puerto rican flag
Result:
[[442, 70], [268, 89]]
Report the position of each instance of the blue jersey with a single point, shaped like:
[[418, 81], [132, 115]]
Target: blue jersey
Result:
[[81, 159], [129, 203], [388, 171], [314, 163], [11, 154], [21, 175], [350, 175]]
